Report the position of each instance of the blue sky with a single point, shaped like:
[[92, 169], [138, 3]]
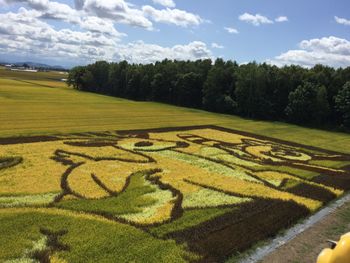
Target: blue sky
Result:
[[281, 32]]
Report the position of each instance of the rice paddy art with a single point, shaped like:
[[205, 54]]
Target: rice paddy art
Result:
[[202, 192]]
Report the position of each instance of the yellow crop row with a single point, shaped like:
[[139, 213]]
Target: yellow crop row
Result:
[[209, 167]]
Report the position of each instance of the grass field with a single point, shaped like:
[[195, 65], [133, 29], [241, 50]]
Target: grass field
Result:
[[31, 109], [112, 180]]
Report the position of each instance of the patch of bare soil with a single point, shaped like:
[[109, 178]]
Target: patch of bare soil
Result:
[[305, 247]]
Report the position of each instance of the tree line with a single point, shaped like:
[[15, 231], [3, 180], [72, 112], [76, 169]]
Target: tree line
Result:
[[317, 97]]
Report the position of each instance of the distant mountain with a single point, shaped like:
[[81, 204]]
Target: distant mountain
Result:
[[38, 65], [35, 65]]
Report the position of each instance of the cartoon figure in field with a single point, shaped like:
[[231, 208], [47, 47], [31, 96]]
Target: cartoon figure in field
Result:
[[218, 174], [265, 152]]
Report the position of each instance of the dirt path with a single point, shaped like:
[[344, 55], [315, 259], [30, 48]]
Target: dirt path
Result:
[[306, 246]]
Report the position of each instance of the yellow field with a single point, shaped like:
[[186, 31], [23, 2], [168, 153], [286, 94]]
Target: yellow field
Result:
[[192, 162]]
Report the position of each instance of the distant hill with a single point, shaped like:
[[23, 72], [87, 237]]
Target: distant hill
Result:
[[35, 65], [39, 65]]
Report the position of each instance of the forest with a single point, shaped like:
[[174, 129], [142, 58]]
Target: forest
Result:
[[315, 97]]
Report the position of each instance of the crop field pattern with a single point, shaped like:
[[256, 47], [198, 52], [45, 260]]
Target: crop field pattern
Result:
[[198, 193]]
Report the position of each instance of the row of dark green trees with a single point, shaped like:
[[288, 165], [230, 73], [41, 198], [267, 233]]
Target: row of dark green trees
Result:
[[318, 97]]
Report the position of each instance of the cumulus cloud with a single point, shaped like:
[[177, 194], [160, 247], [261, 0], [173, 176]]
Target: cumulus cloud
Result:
[[216, 45], [116, 10], [53, 10], [172, 16], [36, 4], [59, 11], [166, 3], [99, 25], [255, 20], [331, 51], [281, 19], [121, 11], [94, 36], [231, 30], [140, 52], [24, 33], [342, 21]]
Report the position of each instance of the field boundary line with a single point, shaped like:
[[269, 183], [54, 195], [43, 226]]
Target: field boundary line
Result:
[[53, 137]]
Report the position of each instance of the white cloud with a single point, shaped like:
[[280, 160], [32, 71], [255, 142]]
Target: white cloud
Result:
[[331, 51], [140, 52], [99, 25], [59, 11], [24, 33], [231, 30], [36, 4], [281, 19], [112, 11], [255, 20], [48, 9], [342, 21], [116, 10], [166, 3], [330, 44], [216, 45], [172, 16]]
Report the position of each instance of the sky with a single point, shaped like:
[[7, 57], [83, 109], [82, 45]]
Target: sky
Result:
[[77, 32]]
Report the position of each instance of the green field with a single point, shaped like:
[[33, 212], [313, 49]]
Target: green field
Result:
[[188, 185], [34, 108]]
